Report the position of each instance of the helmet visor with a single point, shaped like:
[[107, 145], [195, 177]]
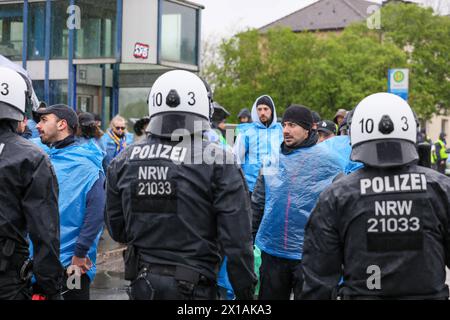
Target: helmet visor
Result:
[[176, 124], [385, 153], [9, 112]]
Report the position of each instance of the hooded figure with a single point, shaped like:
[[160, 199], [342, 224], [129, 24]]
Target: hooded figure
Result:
[[260, 142], [244, 113]]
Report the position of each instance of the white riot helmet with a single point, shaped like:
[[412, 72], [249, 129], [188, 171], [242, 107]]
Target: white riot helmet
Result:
[[13, 94], [178, 100], [383, 131]]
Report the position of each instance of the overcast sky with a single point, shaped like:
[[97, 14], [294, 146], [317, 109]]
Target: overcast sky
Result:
[[223, 18]]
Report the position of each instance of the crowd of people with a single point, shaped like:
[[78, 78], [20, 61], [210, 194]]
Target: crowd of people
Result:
[[304, 210]]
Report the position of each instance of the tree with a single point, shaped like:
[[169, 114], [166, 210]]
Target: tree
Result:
[[337, 71], [426, 39], [324, 74]]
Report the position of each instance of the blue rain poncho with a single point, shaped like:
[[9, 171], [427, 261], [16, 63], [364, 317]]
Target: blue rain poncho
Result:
[[257, 144], [77, 168], [341, 146], [291, 194]]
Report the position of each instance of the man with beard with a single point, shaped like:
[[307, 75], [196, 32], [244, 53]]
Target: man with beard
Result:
[[260, 142], [283, 201], [78, 167]]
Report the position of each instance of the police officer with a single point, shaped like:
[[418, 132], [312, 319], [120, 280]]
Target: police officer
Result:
[[179, 206], [385, 227], [29, 204], [440, 152]]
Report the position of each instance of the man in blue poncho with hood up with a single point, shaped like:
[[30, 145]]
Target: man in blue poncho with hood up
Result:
[[78, 168], [283, 201], [260, 141]]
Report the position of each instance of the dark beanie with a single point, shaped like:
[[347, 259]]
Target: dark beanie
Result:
[[266, 101], [299, 115]]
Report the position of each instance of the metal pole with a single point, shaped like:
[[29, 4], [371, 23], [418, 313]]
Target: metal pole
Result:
[[47, 50], [71, 82], [116, 67], [158, 44], [25, 34]]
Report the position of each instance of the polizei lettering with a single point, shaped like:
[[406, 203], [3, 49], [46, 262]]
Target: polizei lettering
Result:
[[410, 182], [158, 151]]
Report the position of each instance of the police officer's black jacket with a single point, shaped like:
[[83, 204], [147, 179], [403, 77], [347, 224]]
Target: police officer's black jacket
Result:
[[175, 213], [29, 206], [387, 229]]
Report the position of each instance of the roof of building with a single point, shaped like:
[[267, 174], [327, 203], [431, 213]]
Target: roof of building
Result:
[[325, 15]]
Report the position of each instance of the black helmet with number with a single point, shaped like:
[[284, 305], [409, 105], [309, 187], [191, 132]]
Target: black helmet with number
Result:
[[383, 131], [178, 104], [13, 95]]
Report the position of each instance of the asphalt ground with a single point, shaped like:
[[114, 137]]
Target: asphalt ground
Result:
[[109, 283]]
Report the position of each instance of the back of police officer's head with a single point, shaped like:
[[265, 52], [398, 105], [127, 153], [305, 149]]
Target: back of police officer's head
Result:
[[178, 105], [383, 131], [13, 97]]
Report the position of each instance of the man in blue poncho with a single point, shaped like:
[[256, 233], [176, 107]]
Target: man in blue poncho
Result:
[[81, 200], [283, 201], [260, 141]]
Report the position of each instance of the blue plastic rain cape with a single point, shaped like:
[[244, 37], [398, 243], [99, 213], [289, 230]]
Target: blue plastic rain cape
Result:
[[242, 127], [257, 144], [341, 146], [77, 168], [291, 194]]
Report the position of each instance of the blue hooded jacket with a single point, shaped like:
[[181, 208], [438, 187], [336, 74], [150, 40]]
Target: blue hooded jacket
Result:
[[258, 144], [77, 169]]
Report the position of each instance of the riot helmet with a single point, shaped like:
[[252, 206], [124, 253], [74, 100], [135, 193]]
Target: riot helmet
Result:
[[13, 95], [178, 100], [383, 131]]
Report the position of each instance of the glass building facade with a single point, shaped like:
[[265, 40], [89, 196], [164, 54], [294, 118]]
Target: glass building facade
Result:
[[97, 75]]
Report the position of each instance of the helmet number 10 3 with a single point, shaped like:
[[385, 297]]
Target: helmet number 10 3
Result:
[[4, 90]]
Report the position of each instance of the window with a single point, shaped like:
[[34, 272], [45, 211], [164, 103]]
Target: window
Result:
[[179, 40], [36, 30], [11, 31], [133, 104], [58, 91], [444, 125], [96, 38]]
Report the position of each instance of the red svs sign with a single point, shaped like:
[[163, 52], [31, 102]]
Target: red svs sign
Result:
[[141, 50]]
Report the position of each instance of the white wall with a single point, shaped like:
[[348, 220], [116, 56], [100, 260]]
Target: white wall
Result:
[[434, 127], [140, 25]]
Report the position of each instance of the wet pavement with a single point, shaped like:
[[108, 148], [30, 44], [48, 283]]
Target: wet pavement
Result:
[[109, 283]]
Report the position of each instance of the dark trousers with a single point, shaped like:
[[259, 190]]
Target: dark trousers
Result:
[[162, 287], [441, 165], [77, 294], [279, 277], [12, 288]]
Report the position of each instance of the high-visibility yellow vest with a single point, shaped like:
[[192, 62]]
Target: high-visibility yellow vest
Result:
[[442, 152], [433, 154]]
